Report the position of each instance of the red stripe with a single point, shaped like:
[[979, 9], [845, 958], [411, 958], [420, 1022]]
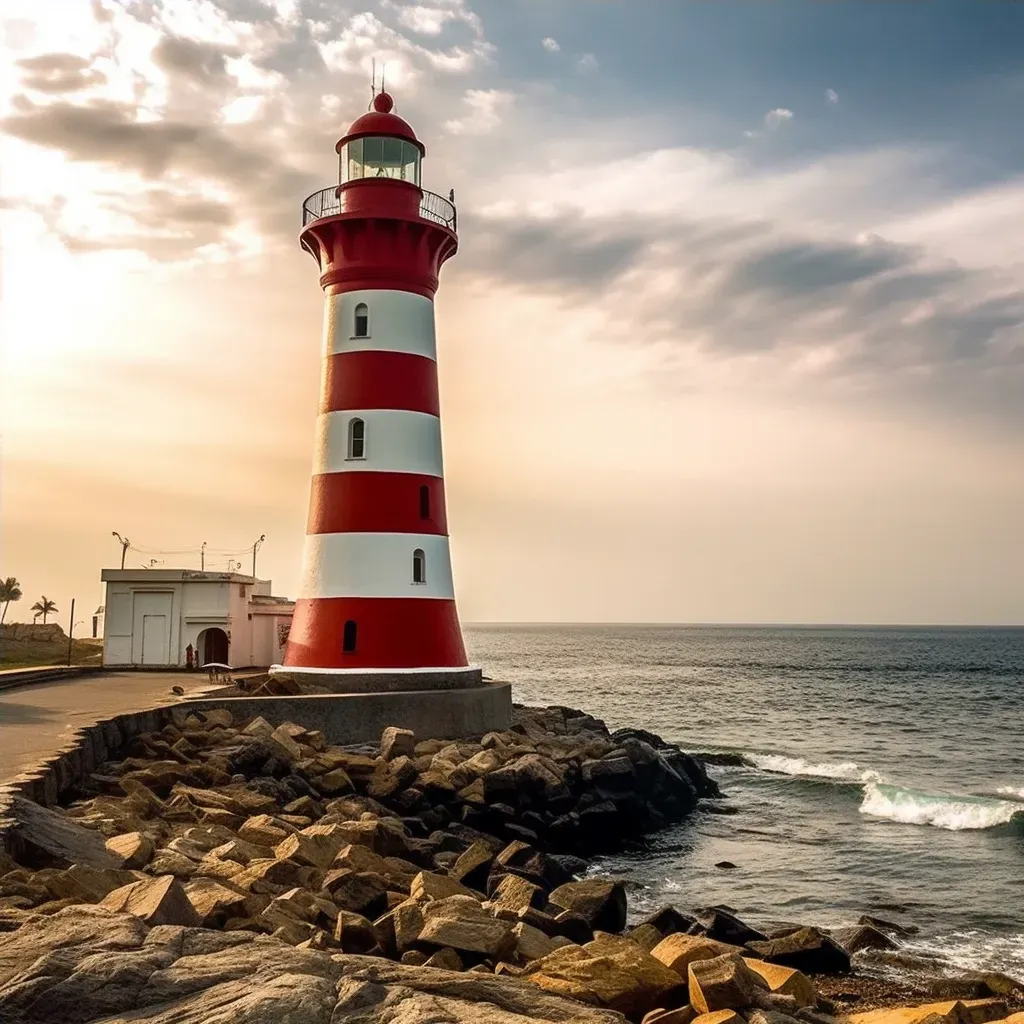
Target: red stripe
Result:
[[375, 503], [380, 380], [391, 632]]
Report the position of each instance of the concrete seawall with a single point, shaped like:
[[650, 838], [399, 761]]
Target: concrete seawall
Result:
[[361, 717]]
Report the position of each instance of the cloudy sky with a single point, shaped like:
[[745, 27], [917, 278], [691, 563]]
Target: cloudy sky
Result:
[[735, 332]]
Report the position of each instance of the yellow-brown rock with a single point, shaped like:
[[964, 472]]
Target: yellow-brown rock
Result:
[[155, 900], [967, 1011], [785, 981], [134, 849], [680, 1015], [611, 971], [718, 1017], [725, 983], [678, 951]]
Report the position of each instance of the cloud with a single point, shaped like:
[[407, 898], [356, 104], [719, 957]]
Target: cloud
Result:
[[831, 97], [205, 63], [486, 107], [549, 44], [106, 133], [869, 316], [776, 117], [587, 63], [59, 73]]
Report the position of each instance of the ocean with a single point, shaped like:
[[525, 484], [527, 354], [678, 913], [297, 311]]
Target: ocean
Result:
[[883, 768]]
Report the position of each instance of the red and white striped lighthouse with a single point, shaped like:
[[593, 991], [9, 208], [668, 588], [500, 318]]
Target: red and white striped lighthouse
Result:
[[377, 593]]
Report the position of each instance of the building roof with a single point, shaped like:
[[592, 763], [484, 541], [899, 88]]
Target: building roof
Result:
[[173, 576]]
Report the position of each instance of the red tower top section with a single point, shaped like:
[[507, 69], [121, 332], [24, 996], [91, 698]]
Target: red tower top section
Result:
[[377, 228], [381, 121]]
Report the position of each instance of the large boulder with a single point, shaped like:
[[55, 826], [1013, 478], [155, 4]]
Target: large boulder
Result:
[[679, 951], [723, 925], [600, 902], [610, 972], [863, 936], [396, 742], [51, 839], [806, 949], [461, 923], [134, 849], [155, 901], [379, 992], [725, 983], [785, 981]]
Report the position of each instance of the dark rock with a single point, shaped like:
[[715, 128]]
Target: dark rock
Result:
[[889, 927], [720, 924], [862, 936], [725, 865], [668, 920], [807, 950], [600, 902]]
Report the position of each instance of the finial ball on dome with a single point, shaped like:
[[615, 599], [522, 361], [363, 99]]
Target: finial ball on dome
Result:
[[383, 103]]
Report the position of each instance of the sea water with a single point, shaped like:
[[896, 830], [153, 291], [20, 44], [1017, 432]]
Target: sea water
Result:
[[882, 769]]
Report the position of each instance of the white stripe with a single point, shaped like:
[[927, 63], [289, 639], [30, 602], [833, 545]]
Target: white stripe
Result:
[[395, 441], [374, 565], [399, 322]]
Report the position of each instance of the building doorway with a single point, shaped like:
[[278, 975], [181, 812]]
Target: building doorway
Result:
[[212, 647]]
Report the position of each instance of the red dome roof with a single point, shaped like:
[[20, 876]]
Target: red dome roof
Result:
[[380, 121]]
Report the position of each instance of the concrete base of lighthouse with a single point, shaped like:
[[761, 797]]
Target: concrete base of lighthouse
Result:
[[383, 680], [362, 717]]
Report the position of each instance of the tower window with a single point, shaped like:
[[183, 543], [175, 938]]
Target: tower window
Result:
[[424, 502], [362, 321], [348, 637], [356, 439], [419, 566]]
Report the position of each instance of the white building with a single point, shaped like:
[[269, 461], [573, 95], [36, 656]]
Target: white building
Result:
[[152, 615]]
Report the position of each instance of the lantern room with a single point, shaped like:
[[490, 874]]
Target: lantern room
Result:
[[380, 145]]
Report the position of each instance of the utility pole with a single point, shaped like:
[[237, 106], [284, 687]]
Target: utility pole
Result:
[[124, 542], [202, 557], [255, 547], [71, 629]]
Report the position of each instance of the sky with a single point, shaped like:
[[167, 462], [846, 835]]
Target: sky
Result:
[[735, 332]]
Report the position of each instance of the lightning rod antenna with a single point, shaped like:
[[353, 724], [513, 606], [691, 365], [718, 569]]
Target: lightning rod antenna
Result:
[[373, 83]]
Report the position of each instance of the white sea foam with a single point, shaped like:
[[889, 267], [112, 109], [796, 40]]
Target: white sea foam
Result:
[[956, 813], [845, 771], [975, 950]]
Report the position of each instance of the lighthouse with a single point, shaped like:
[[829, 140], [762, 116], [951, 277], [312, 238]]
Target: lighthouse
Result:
[[376, 606]]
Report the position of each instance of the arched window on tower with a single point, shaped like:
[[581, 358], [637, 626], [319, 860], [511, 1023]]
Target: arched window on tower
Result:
[[361, 327], [424, 501], [356, 439], [348, 637], [419, 566]]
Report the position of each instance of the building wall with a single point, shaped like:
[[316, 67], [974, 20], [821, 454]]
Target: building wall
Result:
[[151, 623]]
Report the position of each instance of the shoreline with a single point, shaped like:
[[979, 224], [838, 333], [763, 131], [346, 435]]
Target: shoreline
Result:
[[472, 856]]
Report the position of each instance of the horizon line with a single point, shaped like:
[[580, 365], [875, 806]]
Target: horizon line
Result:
[[749, 625]]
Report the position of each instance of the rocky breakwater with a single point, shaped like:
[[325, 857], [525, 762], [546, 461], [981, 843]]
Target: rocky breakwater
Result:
[[248, 872]]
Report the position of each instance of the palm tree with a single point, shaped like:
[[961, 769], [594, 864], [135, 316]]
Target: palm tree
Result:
[[44, 607], [10, 590]]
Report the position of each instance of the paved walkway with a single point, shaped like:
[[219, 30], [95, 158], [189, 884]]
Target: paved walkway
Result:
[[35, 720]]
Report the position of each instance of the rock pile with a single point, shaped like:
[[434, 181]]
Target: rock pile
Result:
[[251, 872]]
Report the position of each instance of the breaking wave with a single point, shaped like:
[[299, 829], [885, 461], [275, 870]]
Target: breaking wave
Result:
[[956, 813], [844, 771], [898, 803]]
